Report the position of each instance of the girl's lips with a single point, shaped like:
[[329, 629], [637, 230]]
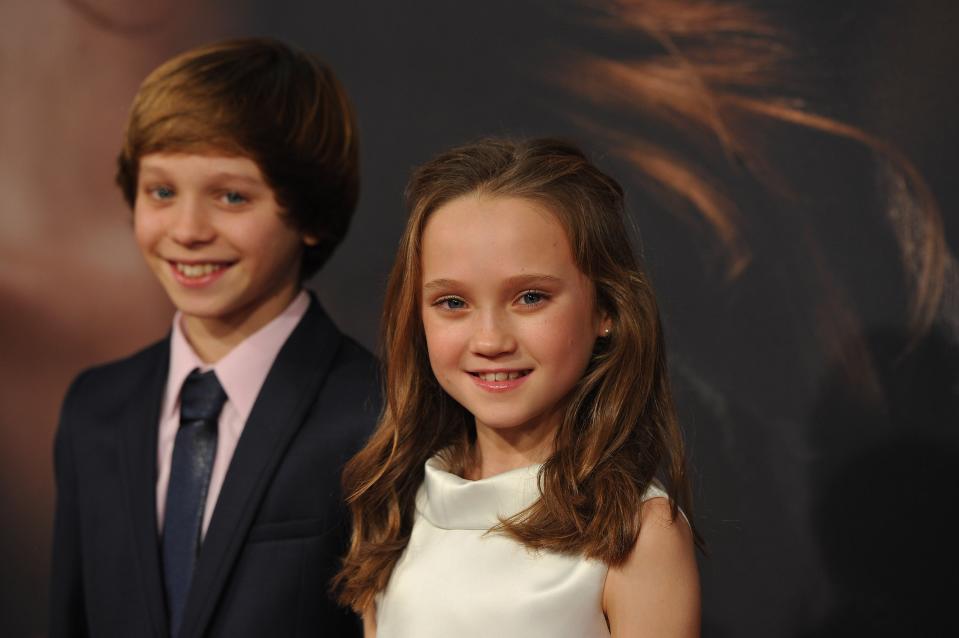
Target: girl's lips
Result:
[[503, 385], [197, 275]]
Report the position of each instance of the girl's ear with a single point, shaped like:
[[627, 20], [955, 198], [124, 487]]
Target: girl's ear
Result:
[[310, 239], [605, 326]]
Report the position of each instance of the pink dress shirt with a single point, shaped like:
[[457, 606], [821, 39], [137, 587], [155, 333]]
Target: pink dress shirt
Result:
[[241, 373]]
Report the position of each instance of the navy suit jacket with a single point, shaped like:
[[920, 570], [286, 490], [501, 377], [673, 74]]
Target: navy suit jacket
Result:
[[279, 526]]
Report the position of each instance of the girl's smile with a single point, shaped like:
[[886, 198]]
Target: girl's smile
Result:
[[500, 380], [510, 321]]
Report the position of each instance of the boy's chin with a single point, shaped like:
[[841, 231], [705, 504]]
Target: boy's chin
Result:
[[210, 309], [229, 312]]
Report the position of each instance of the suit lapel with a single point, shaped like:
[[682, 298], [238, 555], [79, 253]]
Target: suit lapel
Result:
[[139, 420], [288, 393]]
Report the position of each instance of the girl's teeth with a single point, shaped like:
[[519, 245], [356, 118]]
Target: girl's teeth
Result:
[[500, 376], [198, 270]]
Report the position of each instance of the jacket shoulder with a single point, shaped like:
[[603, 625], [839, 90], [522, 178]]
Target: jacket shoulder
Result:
[[352, 354], [114, 381]]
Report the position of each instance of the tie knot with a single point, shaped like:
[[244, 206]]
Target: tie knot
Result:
[[201, 397]]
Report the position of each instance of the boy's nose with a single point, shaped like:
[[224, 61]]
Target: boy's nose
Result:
[[191, 224]]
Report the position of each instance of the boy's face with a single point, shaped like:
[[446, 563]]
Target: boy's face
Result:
[[210, 228]]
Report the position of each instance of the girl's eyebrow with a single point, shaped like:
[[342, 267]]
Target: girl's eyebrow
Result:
[[531, 279], [441, 284], [525, 280]]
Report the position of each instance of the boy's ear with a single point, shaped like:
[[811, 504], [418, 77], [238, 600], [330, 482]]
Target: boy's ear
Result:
[[310, 239]]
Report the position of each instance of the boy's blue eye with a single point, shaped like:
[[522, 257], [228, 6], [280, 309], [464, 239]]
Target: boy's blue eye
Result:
[[162, 192], [233, 197]]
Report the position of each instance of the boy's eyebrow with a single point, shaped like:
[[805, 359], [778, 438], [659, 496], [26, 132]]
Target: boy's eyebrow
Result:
[[517, 281], [235, 176], [147, 168]]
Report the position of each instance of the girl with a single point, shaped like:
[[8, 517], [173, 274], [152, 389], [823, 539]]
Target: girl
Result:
[[511, 487]]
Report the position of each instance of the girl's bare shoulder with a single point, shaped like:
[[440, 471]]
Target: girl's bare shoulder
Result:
[[656, 591]]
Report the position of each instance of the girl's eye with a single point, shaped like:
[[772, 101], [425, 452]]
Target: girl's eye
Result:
[[234, 198], [450, 303], [532, 298]]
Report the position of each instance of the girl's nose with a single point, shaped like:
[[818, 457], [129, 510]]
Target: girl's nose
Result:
[[493, 336]]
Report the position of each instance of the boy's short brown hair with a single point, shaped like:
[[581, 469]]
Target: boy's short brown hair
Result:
[[259, 98]]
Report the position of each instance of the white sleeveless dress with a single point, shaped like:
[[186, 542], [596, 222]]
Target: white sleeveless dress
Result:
[[456, 581]]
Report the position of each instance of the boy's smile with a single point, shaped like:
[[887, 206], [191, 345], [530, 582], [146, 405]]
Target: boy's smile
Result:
[[210, 228], [198, 274]]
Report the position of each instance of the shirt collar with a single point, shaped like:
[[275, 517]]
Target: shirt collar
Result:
[[243, 370]]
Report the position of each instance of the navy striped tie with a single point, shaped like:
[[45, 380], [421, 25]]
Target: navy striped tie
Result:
[[201, 400]]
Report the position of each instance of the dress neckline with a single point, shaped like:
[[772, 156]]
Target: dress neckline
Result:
[[449, 501]]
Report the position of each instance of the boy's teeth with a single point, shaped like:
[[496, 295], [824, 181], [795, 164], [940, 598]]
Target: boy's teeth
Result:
[[197, 270]]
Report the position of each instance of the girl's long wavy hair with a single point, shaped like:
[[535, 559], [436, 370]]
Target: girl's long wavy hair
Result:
[[619, 430]]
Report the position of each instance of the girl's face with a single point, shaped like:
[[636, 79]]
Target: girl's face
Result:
[[510, 320]]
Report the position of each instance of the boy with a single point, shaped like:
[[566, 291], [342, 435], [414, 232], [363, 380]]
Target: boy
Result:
[[198, 480]]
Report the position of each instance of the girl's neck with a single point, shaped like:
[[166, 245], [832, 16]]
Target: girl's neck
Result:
[[499, 450]]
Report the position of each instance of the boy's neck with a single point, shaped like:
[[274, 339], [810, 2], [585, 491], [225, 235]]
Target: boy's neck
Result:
[[212, 338]]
